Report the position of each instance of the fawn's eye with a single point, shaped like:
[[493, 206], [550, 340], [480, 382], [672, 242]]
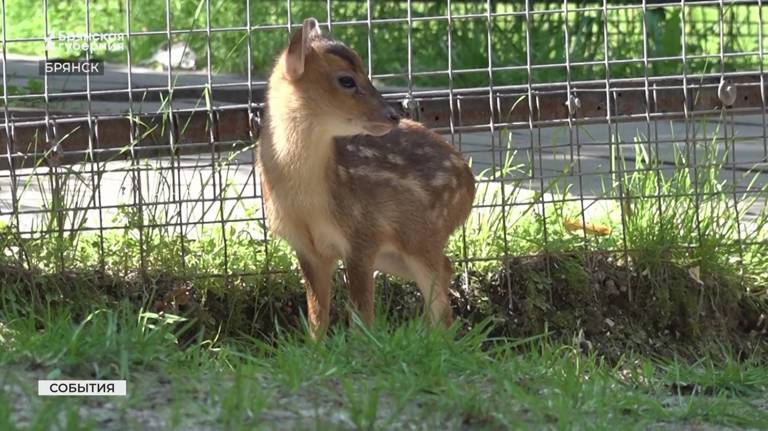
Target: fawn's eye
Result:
[[347, 82]]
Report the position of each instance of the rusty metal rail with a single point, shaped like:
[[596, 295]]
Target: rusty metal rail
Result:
[[66, 139]]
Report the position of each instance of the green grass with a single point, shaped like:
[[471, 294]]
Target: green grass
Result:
[[384, 378]]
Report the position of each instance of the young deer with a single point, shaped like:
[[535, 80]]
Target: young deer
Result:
[[344, 178]]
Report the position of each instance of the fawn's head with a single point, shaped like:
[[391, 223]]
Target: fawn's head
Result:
[[326, 81]]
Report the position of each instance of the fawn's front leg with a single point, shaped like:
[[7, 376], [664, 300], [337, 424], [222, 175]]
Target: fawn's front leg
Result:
[[317, 272]]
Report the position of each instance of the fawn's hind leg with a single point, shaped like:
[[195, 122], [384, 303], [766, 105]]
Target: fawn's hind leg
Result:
[[433, 276]]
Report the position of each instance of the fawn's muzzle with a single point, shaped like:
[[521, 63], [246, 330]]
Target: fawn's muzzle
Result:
[[387, 120]]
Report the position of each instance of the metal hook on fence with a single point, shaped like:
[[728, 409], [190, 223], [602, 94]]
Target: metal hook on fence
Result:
[[573, 103], [411, 107], [726, 91]]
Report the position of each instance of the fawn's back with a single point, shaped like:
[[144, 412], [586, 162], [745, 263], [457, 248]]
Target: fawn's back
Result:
[[408, 188]]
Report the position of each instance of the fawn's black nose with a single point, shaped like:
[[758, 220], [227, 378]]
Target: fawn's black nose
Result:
[[394, 116]]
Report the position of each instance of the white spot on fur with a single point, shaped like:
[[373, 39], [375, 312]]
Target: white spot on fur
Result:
[[439, 180], [367, 152], [356, 210], [411, 183], [415, 186], [394, 158], [343, 173]]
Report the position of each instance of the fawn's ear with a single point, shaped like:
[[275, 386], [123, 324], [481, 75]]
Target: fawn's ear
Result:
[[299, 47]]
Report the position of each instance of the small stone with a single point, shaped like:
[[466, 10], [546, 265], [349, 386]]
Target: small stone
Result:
[[585, 346]]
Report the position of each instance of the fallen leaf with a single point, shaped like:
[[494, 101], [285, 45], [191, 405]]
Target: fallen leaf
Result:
[[695, 274], [572, 225]]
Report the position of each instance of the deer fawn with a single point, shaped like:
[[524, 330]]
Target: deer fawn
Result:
[[344, 178]]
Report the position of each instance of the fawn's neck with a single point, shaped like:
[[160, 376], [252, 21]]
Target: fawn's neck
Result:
[[294, 149]]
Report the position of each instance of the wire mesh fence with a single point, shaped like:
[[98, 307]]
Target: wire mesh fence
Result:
[[608, 127]]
